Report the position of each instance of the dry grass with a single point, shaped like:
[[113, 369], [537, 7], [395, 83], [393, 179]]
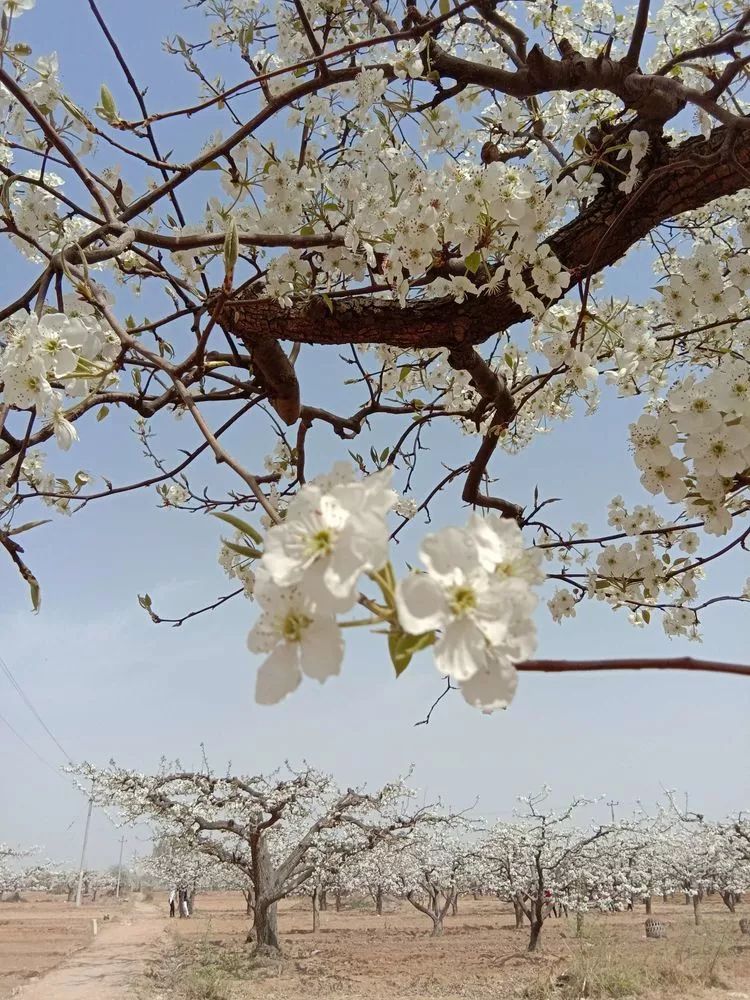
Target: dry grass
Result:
[[358, 956], [606, 965]]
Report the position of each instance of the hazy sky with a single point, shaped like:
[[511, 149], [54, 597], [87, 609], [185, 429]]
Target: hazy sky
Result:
[[111, 684]]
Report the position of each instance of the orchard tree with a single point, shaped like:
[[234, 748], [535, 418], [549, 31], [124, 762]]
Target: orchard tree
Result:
[[176, 861], [543, 860], [11, 872], [431, 869], [279, 831], [422, 205]]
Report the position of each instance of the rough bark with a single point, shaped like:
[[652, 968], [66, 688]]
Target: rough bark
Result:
[[579, 924], [536, 930], [518, 910], [691, 175], [730, 900], [697, 909], [266, 929], [379, 902], [647, 901], [266, 926], [454, 905], [315, 911]]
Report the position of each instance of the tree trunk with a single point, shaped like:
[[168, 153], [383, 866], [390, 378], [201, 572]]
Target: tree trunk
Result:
[[729, 900], [316, 911], [454, 905], [664, 897], [379, 902], [687, 899], [697, 909], [264, 884], [266, 929], [518, 910], [323, 900], [579, 924], [536, 930], [337, 897], [71, 893], [437, 925], [647, 901], [248, 894]]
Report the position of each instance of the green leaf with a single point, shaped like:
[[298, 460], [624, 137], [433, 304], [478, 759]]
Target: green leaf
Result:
[[107, 102], [212, 165], [473, 261], [328, 302], [231, 246], [36, 592], [240, 525], [26, 527], [242, 550], [145, 601], [403, 647], [101, 413]]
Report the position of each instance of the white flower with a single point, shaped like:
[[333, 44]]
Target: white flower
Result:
[[26, 385], [562, 604], [65, 432], [299, 639], [175, 494], [408, 62], [480, 613], [15, 8], [493, 685], [335, 529], [550, 278]]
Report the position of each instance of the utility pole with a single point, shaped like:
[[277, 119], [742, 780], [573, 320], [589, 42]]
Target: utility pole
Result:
[[119, 868], [612, 810], [83, 849]]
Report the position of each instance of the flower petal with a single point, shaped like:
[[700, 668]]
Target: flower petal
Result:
[[278, 675], [322, 649], [421, 604], [493, 686], [461, 649]]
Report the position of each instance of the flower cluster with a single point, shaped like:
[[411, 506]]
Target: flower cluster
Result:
[[334, 531], [707, 419], [476, 590], [46, 359]]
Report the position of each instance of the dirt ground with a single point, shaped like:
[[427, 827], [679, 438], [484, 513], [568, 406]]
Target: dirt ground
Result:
[[358, 955], [39, 934]]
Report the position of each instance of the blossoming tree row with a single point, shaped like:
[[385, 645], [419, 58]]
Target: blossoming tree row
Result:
[[294, 833]]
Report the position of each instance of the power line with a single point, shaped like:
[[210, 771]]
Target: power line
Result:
[[29, 704], [29, 746]]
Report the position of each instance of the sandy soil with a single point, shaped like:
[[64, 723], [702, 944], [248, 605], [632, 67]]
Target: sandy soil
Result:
[[356, 954], [48, 950]]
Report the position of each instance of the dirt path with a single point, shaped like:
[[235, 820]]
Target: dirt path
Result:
[[108, 966]]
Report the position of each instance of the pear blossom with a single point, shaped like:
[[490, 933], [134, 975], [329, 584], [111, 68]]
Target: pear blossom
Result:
[[298, 638], [483, 616], [334, 531]]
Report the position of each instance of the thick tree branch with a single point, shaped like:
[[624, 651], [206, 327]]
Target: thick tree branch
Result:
[[694, 174]]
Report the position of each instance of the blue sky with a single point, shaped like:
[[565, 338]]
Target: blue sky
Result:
[[111, 684]]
